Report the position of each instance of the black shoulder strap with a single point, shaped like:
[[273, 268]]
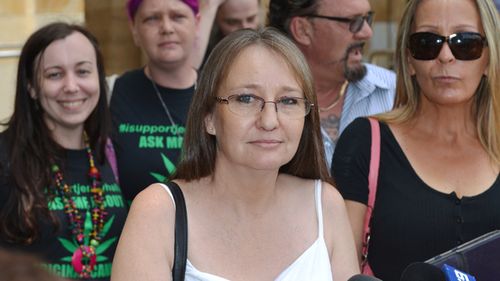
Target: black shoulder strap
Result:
[[180, 248]]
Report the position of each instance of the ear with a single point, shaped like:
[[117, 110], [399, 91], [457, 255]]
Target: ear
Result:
[[135, 33], [301, 30], [485, 73], [411, 69], [210, 124], [32, 92]]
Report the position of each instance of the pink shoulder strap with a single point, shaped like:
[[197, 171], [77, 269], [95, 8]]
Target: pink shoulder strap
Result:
[[374, 162], [372, 190]]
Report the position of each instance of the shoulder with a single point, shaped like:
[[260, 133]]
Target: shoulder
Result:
[[153, 208], [155, 198], [331, 198], [358, 131], [130, 77]]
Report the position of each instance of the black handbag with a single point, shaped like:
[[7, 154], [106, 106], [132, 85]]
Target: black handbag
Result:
[[180, 246]]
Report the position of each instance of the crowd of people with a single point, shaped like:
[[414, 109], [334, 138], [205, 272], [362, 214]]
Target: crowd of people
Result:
[[243, 152]]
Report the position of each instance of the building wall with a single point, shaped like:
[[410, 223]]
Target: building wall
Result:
[[19, 18], [108, 21]]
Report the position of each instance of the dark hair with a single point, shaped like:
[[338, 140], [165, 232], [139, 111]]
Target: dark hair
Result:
[[133, 6], [282, 11], [199, 150], [29, 143]]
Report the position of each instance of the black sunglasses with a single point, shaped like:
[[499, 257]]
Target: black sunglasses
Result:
[[355, 23], [463, 45]]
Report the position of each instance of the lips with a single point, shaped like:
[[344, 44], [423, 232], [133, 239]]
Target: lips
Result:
[[168, 44], [445, 78], [266, 143]]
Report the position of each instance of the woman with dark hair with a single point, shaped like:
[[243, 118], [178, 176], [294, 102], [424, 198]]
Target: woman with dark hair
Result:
[[439, 174], [253, 174], [58, 196]]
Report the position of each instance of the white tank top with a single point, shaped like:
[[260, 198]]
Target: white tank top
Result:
[[312, 264]]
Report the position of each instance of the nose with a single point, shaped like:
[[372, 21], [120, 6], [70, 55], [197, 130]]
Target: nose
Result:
[[166, 26], [365, 33], [445, 54], [70, 84], [247, 24], [268, 117]]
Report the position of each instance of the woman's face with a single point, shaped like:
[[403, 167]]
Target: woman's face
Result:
[[446, 79], [165, 30], [69, 83], [262, 140], [234, 15]]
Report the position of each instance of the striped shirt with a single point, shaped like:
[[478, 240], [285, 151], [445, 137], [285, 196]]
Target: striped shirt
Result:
[[372, 95]]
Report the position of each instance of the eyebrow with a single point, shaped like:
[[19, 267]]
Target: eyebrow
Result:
[[257, 87], [80, 63]]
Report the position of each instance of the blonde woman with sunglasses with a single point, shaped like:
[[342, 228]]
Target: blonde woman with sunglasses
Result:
[[438, 181]]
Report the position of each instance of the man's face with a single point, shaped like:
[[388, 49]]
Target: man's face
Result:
[[234, 15], [334, 47]]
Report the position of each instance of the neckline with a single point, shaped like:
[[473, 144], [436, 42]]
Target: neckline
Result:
[[420, 180], [320, 240]]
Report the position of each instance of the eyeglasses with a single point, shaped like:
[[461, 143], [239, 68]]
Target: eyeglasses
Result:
[[463, 45], [250, 105], [355, 23]]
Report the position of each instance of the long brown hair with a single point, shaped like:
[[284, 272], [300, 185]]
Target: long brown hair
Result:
[[29, 145], [199, 150]]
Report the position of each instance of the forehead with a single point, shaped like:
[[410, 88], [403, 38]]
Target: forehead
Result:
[[261, 65], [447, 16], [344, 7], [162, 5], [230, 7], [74, 48]]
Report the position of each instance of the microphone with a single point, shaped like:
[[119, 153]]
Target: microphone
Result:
[[361, 277], [421, 271], [453, 274]]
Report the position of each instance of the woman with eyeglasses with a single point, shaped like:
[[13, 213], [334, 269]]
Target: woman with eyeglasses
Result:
[[256, 185], [438, 180]]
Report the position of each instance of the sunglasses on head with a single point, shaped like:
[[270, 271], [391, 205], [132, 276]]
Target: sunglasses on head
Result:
[[463, 45]]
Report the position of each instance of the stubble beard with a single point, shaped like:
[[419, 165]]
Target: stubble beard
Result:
[[357, 72]]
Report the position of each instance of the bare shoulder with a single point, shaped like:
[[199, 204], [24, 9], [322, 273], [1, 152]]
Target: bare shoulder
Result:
[[331, 196], [152, 210], [154, 200], [151, 216]]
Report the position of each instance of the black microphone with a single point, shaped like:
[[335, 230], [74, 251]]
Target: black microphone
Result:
[[421, 271], [361, 277]]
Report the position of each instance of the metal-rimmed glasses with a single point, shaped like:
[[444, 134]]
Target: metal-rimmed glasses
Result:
[[355, 23], [246, 105]]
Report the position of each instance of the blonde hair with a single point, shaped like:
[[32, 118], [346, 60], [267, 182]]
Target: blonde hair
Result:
[[486, 107]]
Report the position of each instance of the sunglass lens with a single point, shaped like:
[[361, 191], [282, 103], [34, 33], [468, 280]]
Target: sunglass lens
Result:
[[425, 45], [467, 46]]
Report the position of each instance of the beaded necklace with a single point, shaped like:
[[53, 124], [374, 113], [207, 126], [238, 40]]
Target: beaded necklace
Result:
[[84, 257]]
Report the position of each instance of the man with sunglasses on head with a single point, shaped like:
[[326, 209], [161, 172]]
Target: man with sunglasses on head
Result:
[[332, 35]]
